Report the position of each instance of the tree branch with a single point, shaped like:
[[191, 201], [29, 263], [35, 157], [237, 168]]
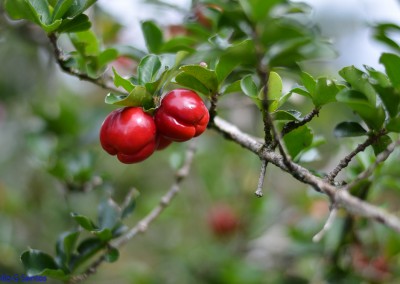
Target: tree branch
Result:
[[292, 125], [142, 225], [60, 58], [339, 197]]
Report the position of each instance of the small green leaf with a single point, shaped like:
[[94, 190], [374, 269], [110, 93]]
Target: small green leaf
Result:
[[179, 43], [86, 43], [298, 140], [359, 82], [84, 222], [104, 234], [40, 8], [390, 98], [109, 214], [119, 81], [392, 67], [19, 9], [78, 24], [286, 115], [248, 86], [325, 92], [36, 261], [373, 116], [380, 78], [128, 209], [232, 88], [205, 76], [106, 56], [274, 86], [394, 125], [153, 36], [112, 255], [257, 10], [381, 144], [138, 97], [301, 92], [78, 7], [65, 246], [148, 68], [61, 8], [191, 82], [309, 82], [349, 129]]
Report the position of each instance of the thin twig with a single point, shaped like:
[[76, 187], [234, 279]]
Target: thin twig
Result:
[[346, 160], [60, 58], [379, 159], [143, 224], [259, 191], [213, 108], [341, 198], [327, 226], [292, 125]]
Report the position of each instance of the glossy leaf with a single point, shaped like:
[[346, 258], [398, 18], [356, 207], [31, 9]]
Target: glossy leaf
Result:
[[65, 246], [112, 255], [78, 24], [390, 98], [119, 81], [138, 97], [325, 92], [349, 129], [373, 116], [106, 56], [381, 144], [36, 261], [275, 86], [258, 10], [232, 88], [153, 36], [289, 115], [40, 9], [204, 75], [128, 208], [19, 9], [392, 66], [248, 86], [84, 222], [178, 43], [309, 82], [148, 69], [298, 140], [61, 8], [109, 214], [86, 43], [359, 82], [191, 82], [78, 7], [380, 78]]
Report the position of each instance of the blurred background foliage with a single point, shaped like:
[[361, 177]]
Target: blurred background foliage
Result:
[[51, 164]]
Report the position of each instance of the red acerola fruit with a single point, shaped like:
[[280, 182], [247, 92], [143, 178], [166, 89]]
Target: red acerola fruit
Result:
[[130, 133], [162, 143], [181, 116], [223, 220]]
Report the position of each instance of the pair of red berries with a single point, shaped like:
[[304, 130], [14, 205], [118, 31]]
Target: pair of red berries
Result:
[[133, 135]]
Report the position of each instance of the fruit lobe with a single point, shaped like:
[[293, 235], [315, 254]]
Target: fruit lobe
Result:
[[129, 133], [181, 116]]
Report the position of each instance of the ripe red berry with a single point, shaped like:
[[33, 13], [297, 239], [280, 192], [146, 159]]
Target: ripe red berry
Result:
[[222, 220], [162, 143], [181, 116], [129, 133]]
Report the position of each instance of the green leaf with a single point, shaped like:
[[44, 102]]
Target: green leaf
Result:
[[242, 52], [248, 86], [394, 125], [78, 24], [390, 98], [86, 43], [373, 116], [392, 67], [297, 140], [380, 78], [191, 82], [349, 129], [103, 234], [301, 92], [128, 208], [61, 8], [84, 222], [286, 115], [205, 76], [86, 249], [232, 88], [138, 97], [40, 8], [148, 68], [309, 82], [36, 261], [106, 56], [257, 10], [20, 9], [153, 36], [359, 82], [119, 81], [274, 86], [78, 7], [325, 92], [112, 255], [381, 144], [109, 214], [179, 43], [65, 246]]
